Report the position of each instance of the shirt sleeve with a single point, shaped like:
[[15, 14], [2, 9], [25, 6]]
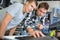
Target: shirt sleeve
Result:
[[13, 9]]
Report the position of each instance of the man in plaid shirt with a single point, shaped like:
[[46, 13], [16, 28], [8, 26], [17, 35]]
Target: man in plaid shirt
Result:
[[34, 24]]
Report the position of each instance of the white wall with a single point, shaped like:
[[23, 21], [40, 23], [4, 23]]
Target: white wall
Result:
[[52, 3]]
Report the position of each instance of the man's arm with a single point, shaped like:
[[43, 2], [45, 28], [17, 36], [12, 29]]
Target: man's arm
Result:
[[12, 31], [31, 31], [4, 24], [35, 33]]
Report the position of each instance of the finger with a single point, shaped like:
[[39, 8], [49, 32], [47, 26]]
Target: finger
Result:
[[42, 34], [37, 34], [34, 35]]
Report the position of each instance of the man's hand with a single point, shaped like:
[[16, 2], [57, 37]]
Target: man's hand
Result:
[[35, 33], [40, 26]]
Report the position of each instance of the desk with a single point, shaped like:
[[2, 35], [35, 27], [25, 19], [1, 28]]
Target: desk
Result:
[[28, 38]]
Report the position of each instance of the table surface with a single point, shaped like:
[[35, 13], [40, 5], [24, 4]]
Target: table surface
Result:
[[28, 38]]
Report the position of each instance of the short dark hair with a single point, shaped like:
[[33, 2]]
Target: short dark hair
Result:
[[33, 1], [43, 5]]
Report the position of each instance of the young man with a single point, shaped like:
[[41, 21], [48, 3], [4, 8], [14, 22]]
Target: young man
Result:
[[15, 14], [34, 23]]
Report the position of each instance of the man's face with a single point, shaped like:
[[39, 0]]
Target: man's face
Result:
[[30, 7], [41, 11]]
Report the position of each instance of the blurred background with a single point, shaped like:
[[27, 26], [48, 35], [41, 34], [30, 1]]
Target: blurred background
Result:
[[53, 15]]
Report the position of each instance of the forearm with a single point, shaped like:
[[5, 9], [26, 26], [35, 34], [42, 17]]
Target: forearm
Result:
[[4, 24], [3, 29]]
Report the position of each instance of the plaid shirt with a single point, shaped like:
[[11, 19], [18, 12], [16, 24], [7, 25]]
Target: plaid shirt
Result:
[[30, 21], [33, 20], [21, 27]]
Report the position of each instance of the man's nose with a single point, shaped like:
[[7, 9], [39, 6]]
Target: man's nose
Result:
[[32, 9]]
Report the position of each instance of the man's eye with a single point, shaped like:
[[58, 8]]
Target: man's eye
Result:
[[40, 11], [31, 6]]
